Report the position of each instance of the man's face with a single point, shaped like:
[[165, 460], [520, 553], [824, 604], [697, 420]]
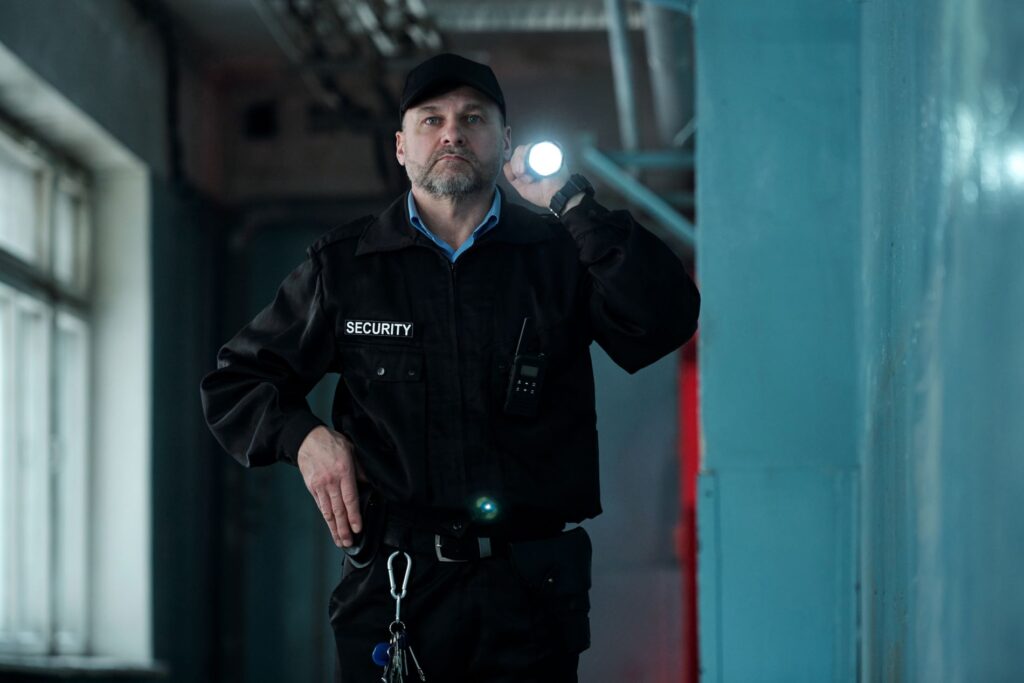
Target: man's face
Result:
[[455, 144]]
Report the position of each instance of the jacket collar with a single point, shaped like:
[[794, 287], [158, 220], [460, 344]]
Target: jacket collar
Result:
[[393, 229]]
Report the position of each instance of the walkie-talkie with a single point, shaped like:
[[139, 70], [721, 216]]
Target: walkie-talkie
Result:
[[527, 376]]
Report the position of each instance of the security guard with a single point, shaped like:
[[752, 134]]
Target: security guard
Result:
[[464, 423]]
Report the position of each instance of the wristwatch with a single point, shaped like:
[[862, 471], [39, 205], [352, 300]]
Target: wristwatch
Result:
[[577, 183]]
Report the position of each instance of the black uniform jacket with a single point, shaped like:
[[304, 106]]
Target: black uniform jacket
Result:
[[423, 404]]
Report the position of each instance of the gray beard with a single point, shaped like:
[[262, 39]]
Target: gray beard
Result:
[[452, 185]]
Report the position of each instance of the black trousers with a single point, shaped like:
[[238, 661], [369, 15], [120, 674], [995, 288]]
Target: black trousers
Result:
[[522, 618]]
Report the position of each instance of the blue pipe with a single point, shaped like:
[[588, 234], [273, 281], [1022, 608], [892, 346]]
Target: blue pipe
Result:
[[640, 195]]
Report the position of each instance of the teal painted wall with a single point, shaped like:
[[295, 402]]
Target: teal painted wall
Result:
[[188, 536], [778, 259], [283, 576], [280, 564], [860, 201], [942, 365]]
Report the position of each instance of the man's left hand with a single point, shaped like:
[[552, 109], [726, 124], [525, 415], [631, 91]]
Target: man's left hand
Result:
[[537, 191]]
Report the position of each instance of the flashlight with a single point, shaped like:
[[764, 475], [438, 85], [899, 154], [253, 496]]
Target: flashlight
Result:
[[544, 159], [485, 509]]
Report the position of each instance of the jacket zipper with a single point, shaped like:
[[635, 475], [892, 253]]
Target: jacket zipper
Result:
[[454, 312]]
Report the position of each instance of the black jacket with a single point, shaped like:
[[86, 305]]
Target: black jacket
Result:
[[423, 405]]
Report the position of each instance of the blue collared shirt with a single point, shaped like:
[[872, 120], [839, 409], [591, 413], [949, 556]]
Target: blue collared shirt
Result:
[[490, 220]]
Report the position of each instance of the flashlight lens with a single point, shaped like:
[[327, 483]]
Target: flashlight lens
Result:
[[544, 158], [486, 508]]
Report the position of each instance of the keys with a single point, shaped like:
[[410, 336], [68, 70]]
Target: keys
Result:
[[394, 655], [399, 653]]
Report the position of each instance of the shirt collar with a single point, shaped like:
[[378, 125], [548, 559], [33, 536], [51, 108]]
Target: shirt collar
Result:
[[393, 228], [489, 221]]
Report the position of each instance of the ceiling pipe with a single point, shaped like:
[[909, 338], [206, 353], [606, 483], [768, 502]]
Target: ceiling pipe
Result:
[[622, 71], [669, 36], [611, 173]]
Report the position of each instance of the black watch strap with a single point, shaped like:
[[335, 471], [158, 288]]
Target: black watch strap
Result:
[[577, 183]]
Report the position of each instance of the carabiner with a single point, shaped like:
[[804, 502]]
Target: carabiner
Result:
[[391, 573]]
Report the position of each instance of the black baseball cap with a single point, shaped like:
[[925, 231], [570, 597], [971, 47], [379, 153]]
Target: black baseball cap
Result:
[[445, 72]]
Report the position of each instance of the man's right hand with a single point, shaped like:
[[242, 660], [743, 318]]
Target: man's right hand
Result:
[[328, 465]]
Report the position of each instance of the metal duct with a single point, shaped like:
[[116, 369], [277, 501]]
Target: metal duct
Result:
[[669, 34], [622, 71]]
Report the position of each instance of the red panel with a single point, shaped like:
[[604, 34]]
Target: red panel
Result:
[[686, 537]]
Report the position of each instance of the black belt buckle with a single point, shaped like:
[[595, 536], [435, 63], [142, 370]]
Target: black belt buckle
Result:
[[462, 548]]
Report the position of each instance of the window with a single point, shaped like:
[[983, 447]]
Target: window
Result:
[[44, 400]]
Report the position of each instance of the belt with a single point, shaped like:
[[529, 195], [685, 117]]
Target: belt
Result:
[[448, 548]]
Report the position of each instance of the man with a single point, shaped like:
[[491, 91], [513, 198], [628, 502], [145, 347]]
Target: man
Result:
[[460, 324]]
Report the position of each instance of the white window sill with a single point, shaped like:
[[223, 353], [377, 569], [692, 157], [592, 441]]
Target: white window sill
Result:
[[76, 664]]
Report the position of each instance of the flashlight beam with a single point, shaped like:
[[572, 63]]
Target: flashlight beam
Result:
[[638, 193]]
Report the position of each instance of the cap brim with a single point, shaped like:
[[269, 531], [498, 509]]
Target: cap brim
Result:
[[441, 87]]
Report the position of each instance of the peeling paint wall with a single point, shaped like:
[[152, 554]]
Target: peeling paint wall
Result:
[[861, 202], [943, 367]]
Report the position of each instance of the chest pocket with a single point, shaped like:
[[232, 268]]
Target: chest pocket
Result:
[[388, 405], [377, 364]]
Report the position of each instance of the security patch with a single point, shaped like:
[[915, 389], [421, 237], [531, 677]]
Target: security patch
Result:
[[378, 328]]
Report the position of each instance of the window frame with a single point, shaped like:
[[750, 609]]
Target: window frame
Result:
[[64, 303]]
